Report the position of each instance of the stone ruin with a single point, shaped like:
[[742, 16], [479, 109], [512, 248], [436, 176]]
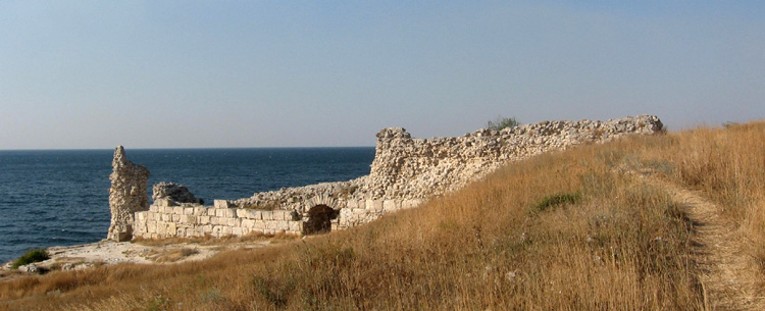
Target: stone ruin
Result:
[[176, 193], [405, 172], [127, 195]]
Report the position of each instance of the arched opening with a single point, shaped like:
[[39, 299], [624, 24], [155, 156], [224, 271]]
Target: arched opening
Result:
[[319, 219]]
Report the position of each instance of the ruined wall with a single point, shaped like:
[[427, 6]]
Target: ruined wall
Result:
[[165, 219], [418, 168], [127, 195], [404, 173]]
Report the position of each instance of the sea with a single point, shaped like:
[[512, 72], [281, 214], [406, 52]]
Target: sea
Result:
[[61, 197]]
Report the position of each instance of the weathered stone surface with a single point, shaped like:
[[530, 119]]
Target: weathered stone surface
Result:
[[127, 195], [174, 192]]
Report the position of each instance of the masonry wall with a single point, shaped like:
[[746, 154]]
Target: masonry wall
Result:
[[163, 220]]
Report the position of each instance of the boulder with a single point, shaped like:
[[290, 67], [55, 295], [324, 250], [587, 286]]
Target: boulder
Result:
[[174, 192]]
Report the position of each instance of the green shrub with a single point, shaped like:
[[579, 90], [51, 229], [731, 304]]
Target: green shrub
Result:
[[556, 200], [32, 255], [501, 123]]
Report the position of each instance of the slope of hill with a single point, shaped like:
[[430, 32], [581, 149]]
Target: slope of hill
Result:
[[670, 222]]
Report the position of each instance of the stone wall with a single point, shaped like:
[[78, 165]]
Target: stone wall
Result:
[[405, 172], [165, 219]]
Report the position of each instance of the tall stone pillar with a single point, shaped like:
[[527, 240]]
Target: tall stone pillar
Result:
[[127, 195]]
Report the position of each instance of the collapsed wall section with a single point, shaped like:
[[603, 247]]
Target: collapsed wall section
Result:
[[405, 168]]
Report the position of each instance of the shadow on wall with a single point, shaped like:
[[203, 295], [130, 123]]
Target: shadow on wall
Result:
[[319, 219]]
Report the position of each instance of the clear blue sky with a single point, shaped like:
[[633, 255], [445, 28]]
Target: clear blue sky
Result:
[[165, 74]]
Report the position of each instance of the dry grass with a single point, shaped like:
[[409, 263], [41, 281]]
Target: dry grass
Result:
[[171, 255], [621, 244], [209, 240]]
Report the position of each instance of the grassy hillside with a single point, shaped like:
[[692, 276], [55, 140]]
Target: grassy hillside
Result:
[[593, 228]]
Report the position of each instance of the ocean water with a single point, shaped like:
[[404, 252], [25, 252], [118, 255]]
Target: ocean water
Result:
[[50, 198]]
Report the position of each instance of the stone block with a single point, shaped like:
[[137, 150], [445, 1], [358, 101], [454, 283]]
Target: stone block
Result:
[[216, 231], [175, 217], [203, 220], [188, 211], [200, 211], [207, 229], [151, 226], [166, 217], [221, 204], [248, 223], [189, 219], [277, 215], [257, 215], [153, 208], [139, 228], [279, 225], [248, 213], [178, 210], [229, 212], [234, 222], [199, 231], [140, 216], [225, 212], [163, 202], [237, 231], [295, 226], [161, 227], [267, 215], [260, 225]]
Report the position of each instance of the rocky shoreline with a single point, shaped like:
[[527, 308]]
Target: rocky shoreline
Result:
[[107, 252]]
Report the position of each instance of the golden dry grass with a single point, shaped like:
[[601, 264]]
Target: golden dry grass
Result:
[[622, 244]]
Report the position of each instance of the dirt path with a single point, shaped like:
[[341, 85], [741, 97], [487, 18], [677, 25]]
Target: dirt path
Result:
[[728, 276]]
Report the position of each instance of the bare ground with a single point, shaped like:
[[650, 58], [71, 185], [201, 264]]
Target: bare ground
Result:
[[106, 252]]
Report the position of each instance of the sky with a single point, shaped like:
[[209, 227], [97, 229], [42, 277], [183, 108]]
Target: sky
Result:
[[189, 74]]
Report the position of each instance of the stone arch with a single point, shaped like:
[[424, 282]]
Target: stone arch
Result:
[[319, 219]]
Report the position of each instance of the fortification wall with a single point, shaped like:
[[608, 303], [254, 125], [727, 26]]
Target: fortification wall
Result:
[[164, 220], [404, 167], [404, 173]]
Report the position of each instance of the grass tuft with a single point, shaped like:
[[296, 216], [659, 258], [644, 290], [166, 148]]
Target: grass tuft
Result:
[[31, 256], [557, 200]]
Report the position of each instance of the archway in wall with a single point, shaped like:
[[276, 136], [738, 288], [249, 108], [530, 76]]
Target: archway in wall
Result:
[[319, 219]]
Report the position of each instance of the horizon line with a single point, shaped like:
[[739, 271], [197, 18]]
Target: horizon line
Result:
[[183, 148]]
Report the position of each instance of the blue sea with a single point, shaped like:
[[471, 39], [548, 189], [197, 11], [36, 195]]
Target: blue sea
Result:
[[50, 198]]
